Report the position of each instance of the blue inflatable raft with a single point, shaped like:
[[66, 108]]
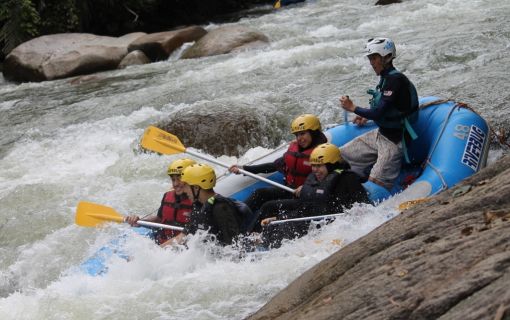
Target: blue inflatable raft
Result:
[[452, 144]]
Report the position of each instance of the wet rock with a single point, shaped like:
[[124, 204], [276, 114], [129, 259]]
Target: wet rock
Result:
[[433, 261], [225, 129], [159, 46], [64, 55], [134, 58], [224, 40]]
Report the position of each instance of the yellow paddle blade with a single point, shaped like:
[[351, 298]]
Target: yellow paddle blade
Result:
[[90, 214], [158, 140], [277, 5], [409, 204]]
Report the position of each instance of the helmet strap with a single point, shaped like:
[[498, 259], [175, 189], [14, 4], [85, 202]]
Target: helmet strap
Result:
[[387, 61], [195, 194]]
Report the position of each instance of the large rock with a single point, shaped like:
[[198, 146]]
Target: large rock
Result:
[[65, 55], [224, 40], [134, 58], [226, 129], [447, 258], [159, 46]]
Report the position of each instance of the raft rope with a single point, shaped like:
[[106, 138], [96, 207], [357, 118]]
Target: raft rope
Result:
[[498, 136], [427, 162]]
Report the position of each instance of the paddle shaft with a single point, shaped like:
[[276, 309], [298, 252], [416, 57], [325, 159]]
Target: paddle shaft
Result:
[[346, 121], [158, 225], [273, 183], [306, 218]]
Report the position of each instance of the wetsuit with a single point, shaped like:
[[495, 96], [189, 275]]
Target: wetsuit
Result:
[[394, 107], [219, 216], [396, 101]]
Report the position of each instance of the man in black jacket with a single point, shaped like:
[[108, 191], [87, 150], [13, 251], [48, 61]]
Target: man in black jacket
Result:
[[394, 108]]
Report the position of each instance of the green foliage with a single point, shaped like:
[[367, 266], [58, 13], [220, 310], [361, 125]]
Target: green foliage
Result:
[[22, 20], [19, 22], [59, 16]]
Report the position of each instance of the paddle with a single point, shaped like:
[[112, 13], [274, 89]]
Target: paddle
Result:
[[163, 142], [89, 214], [346, 120], [306, 218], [403, 206]]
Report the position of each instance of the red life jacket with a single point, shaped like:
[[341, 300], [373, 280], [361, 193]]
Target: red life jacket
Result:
[[175, 213], [297, 165]]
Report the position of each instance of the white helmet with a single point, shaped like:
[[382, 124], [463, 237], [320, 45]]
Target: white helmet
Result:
[[382, 46]]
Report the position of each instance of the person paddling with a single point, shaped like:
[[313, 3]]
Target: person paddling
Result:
[[212, 212], [331, 188], [294, 164], [175, 206], [394, 108]]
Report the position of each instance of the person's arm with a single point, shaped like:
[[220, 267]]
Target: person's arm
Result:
[[178, 239], [133, 220], [390, 92], [255, 168], [373, 114], [261, 168]]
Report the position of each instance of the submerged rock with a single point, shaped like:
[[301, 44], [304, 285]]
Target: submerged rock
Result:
[[446, 258], [224, 40], [225, 129]]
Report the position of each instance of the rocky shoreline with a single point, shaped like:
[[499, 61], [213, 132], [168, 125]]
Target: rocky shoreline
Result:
[[72, 54], [446, 258]]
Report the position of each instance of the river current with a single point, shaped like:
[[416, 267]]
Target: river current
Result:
[[62, 143]]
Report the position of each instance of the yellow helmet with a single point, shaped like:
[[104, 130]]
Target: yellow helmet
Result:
[[305, 122], [200, 175], [178, 165], [325, 153]]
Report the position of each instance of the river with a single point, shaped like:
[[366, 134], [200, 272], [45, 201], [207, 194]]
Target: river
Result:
[[63, 143]]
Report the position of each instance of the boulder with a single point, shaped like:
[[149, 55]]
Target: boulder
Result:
[[446, 258], [64, 55], [134, 58], [226, 129], [224, 40], [159, 46]]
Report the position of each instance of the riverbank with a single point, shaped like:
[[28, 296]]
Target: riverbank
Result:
[[446, 258]]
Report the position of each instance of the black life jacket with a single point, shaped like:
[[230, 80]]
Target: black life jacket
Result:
[[319, 191], [243, 212]]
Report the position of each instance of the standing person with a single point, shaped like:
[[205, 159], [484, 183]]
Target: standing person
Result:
[[294, 164], [331, 188], [175, 206], [394, 108], [211, 211]]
